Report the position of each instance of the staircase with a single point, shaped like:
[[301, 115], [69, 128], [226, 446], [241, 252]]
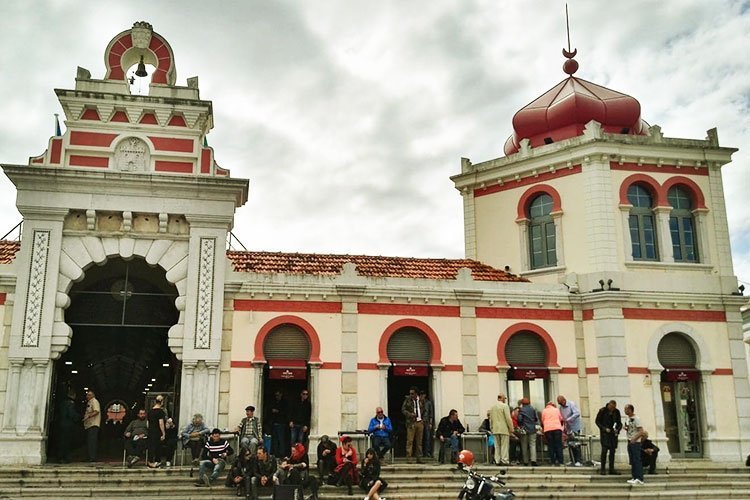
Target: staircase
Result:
[[693, 479]]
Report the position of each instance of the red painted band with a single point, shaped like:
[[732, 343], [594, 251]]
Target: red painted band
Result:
[[588, 314], [569, 370], [241, 364], [90, 114], [592, 370], [526, 181], [723, 371], [149, 119], [486, 369], [523, 313], [674, 315], [78, 138], [182, 167], [664, 169], [2, 299], [638, 370], [88, 161], [286, 306], [54, 156], [329, 365], [367, 366], [173, 144], [206, 161], [409, 310], [453, 368]]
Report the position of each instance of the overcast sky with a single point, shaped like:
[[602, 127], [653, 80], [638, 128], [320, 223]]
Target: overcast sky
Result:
[[349, 116]]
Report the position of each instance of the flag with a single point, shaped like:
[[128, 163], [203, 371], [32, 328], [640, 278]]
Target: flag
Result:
[[205, 141], [58, 132]]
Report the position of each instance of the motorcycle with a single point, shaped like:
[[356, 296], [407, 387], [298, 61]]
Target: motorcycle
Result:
[[479, 487]]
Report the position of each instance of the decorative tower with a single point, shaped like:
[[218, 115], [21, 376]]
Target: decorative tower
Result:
[[130, 178]]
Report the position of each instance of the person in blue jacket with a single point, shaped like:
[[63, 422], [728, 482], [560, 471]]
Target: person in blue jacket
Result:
[[380, 429]]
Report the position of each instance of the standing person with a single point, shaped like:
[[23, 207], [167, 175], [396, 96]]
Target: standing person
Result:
[[92, 418], [609, 422], [299, 418], [250, 430], [634, 433], [649, 453], [380, 429], [429, 423], [346, 464], [413, 410], [279, 423], [572, 417], [501, 425], [157, 432], [552, 425], [449, 430], [170, 441], [527, 422], [66, 421], [194, 436], [370, 479]]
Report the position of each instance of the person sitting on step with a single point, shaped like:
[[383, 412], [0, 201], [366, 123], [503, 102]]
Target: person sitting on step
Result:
[[649, 453], [449, 432], [213, 458], [135, 438], [194, 436], [295, 469], [265, 471], [370, 479], [326, 457], [250, 430], [346, 464], [380, 429], [241, 474]]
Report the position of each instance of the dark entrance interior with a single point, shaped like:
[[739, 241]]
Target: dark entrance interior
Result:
[[398, 389], [120, 314], [290, 390]]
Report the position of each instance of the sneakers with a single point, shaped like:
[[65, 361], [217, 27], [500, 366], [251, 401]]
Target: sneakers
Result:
[[133, 460], [635, 482], [169, 464], [578, 464]]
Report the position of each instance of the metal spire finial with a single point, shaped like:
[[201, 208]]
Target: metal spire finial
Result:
[[570, 66]]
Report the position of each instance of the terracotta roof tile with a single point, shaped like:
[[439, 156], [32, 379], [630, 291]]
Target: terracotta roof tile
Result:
[[8, 250], [367, 265]]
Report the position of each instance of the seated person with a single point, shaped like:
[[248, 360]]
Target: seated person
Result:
[[194, 436], [135, 438], [213, 458], [295, 469], [170, 440], [241, 474], [486, 429], [449, 431], [265, 471], [649, 453], [250, 430], [370, 479], [346, 464], [326, 457], [380, 429]]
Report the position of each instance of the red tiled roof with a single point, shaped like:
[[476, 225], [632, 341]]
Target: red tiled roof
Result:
[[367, 265], [8, 250]]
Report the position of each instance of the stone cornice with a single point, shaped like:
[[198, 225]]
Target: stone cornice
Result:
[[117, 183]]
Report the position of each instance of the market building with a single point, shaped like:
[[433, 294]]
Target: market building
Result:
[[597, 266]]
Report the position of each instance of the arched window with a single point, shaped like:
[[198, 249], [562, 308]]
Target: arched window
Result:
[[642, 227], [528, 373], [682, 225], [542, 232]]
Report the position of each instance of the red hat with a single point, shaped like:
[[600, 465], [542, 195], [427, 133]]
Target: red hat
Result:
[[345, 439]]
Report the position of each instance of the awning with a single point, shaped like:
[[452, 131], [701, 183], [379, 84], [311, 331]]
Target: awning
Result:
[[680, 374], [287, 369], [527, 372], [408, 369]]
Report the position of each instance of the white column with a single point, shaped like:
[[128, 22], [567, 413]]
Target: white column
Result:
[[258, 394], [627, 243], [700, 215], [11, 397], [659, 435], [315, 395], [383, 384], [186, 392], [554, 382], [523, 242], [662, 233], [437, 390], [40, 393], [559, 247], [212, 395]]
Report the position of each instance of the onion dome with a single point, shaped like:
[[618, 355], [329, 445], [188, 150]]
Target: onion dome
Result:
[[564, 110]]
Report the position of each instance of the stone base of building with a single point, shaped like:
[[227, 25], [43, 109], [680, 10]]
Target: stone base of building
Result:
[[28, 449]]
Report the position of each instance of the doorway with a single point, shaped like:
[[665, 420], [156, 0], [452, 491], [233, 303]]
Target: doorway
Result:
[[398, 390], [120, 314]]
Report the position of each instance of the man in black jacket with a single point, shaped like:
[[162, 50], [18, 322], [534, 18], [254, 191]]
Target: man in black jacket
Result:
[[449, 431], [610, 424], [279, 424], [649, 453], [299, 418], [265, 472]]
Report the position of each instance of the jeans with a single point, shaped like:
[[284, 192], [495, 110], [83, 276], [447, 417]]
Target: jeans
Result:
[[427, 444], [554, 443], [92, 439], [215, 468], [298, 435], [381, 444], [278, 444], [250, 442], [634, 454], [136, 448]]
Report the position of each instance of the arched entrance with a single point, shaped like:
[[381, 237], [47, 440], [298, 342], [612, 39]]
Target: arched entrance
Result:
[[120, 314], [287, 351], [528, 376], [680, 396], [409, 353]]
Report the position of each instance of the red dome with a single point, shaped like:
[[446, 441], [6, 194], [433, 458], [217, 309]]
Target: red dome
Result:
[[564, 110]]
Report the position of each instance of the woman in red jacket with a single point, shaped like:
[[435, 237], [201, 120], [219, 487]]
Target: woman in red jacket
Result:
[[346, 464]]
